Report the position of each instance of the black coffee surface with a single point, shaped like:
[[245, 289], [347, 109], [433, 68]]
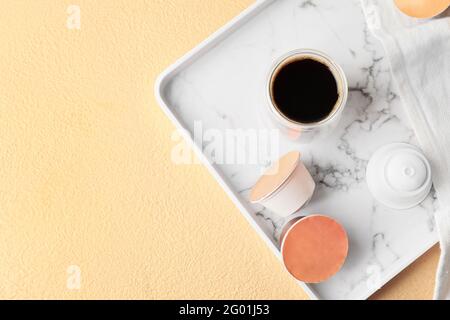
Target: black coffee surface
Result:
[[305, 91]]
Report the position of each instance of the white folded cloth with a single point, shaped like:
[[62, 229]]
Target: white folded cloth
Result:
[[419, 53]]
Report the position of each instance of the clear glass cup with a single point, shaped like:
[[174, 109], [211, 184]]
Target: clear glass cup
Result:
[[307, 132]]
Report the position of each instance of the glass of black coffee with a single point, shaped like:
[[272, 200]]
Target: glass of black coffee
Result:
[[307, 92]]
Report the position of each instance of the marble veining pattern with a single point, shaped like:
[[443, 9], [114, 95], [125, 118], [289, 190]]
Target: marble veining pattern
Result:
[[224, 89]]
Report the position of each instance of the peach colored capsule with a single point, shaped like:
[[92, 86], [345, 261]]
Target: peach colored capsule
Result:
[[422, 8], [285, 187], [313, 248]]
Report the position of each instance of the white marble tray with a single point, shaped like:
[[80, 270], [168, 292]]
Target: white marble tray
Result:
[[221, 84]]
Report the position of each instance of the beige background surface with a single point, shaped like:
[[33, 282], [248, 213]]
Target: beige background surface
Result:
[[85, 171]]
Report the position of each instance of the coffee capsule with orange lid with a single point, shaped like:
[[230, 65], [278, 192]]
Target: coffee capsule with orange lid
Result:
[[313, 248], [422, 8], [285, 187]]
